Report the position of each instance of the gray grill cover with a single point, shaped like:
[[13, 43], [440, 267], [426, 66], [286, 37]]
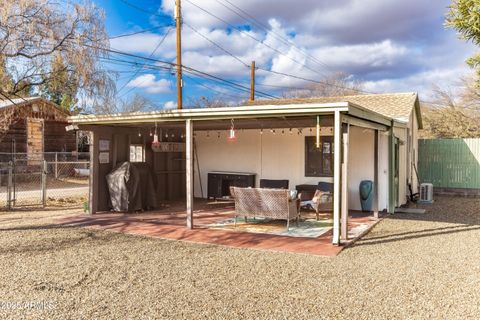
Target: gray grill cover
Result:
[[131, 188]]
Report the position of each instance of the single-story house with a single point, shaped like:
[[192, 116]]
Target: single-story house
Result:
[[33, 126], [340, 140]]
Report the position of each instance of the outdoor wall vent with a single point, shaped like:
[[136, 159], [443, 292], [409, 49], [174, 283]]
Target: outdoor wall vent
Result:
[[426, 193]]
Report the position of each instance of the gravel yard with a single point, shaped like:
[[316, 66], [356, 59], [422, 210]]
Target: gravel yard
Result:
[[409, 266]]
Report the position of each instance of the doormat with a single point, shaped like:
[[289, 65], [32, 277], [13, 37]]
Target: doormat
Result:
[[307, 228]]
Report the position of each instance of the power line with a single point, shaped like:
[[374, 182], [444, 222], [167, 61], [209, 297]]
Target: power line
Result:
[[187, 69], [213, 89], [140, 68], [261, 25], [144, 10], [216, 44], [252, 37], [139, 32], [313, 81]]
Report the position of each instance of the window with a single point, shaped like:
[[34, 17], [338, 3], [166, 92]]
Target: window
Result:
[[319, 161], [137, 153]]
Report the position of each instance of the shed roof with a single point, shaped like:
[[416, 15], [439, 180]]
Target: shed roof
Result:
[[28, 100], [381, 108], [398, 106]]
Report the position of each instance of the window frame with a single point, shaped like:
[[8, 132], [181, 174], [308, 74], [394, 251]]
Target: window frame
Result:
[[136, 145], [310, 141]]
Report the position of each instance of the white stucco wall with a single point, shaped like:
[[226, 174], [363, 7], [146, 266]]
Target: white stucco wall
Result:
[[361, 165], [269, 156], [282, 156]]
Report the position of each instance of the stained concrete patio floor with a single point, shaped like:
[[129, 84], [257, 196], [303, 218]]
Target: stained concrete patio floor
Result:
[[170, 223]]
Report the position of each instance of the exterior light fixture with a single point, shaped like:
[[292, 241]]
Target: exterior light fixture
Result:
[[231, 136], [155, 143]]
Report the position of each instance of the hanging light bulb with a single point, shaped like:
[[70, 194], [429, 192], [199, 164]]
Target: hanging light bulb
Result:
[[218, 134], [208, 134], [139, 134], [283, 131], [155, 143], [231, 136], [273, 131], [151, 133], [261, 131], [166, 134], [173, 135], [290, 130]]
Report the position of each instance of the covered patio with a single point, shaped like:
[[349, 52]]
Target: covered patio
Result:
[[267, 142]]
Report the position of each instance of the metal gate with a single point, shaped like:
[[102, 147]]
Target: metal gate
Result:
[[28, 183]]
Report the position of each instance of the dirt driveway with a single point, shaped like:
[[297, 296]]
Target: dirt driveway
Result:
[[409, 267]]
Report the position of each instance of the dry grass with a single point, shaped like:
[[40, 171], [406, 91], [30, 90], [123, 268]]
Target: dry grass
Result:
[[409, 266]]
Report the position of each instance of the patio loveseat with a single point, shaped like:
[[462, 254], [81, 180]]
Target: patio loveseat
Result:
[[265, 203]]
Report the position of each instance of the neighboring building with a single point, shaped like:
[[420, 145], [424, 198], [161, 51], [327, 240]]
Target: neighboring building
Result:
[[364, 137], [34, 126]]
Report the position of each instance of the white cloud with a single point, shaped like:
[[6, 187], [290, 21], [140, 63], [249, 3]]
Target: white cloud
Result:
[[170, 105], [150, 84], [392, 45]]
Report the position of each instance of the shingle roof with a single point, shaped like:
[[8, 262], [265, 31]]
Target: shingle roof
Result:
[[398, 106], [8, 103], [26, 101]]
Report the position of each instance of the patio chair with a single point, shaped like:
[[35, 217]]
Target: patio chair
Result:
[[321, 200], [265, 203]]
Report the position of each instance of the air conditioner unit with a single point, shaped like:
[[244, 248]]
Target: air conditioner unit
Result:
[[426, 193]]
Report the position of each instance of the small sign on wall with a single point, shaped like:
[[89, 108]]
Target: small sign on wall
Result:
[[169, 147], [104, 145], [104, 157]]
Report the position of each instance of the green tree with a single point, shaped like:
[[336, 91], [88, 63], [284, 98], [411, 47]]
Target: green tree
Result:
[[61, 86], [464, 16]]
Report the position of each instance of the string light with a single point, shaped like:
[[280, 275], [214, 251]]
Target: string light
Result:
[[232, 136], [208, 134], [290, 130], [218, 134], [261, 131]]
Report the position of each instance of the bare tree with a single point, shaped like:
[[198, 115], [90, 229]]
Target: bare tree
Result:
[[339, 84], [453, 114], [206, 102], [33, 32]]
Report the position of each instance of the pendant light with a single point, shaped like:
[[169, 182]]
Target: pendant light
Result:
[[231, 136]]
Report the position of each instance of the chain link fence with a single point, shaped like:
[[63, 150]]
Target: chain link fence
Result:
[[41, 180]]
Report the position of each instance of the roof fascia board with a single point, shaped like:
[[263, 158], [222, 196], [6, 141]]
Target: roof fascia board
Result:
[[364, 123], [366, 114], [213, 114]]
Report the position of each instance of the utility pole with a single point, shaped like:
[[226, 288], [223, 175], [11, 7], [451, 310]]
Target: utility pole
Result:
[[178, 23], [252, 82]]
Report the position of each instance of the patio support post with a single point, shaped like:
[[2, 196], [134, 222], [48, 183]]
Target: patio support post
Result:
[[336, 177], [189, 171], [391, 170], [344, 193], [375, 176], [93, 181]]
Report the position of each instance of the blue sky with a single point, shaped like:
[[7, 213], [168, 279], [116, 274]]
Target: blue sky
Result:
[[390, 45]]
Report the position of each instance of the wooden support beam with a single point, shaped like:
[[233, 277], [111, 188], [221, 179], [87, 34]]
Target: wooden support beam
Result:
[[375, 176], [189, 171], [336, 177], [344, 194], [93, 181]]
